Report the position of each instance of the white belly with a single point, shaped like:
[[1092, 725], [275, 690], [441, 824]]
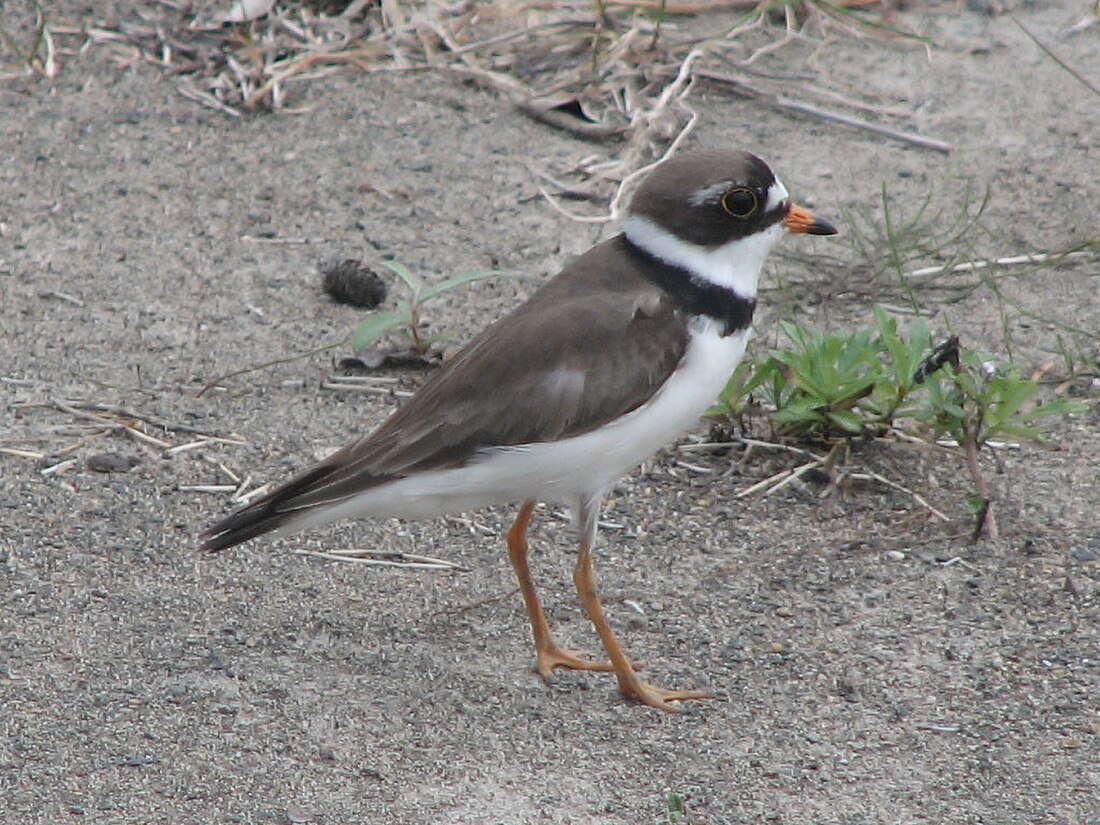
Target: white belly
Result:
[[565, 471]]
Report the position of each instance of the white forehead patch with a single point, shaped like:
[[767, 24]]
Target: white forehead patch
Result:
[[777, 194], [710, 194]]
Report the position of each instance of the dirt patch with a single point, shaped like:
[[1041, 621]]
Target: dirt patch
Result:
[[868, 667]]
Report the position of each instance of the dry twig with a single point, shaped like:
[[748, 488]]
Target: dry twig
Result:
[[609, 72], [384, 558], [778, 481]]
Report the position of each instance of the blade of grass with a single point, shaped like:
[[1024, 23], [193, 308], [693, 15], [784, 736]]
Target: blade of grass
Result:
[[448, 284], [1084, 81], [374, 327], [413, 281]]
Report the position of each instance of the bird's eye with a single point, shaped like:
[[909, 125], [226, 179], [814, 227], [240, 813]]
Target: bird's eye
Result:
[[741, 202]]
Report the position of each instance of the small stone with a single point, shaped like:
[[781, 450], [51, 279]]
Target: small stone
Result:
[[847, 688], [298, 813], [895, 555], [111, 463], [136, 761], [1084, 554]]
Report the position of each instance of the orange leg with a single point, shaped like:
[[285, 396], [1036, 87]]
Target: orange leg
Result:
[[549, 655], [629, 684]]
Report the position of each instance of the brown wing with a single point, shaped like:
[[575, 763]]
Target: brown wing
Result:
[[594, 343]]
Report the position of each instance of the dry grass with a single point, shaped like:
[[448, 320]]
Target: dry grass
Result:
[[606, 71]]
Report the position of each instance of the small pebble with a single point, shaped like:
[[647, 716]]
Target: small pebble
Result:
[[136, 761], [1084, 554], [111, 463]]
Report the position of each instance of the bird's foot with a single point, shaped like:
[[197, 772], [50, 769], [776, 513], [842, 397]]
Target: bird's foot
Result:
[[634, 688], [552, 656]]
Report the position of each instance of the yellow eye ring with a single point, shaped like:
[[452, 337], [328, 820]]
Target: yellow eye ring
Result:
[[740, 202]]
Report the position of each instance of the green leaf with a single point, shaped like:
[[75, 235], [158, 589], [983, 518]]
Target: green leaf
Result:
[[1015, 430], [904, 355], [974, 504], [413, 281], [887, 326], [847, 420], [728, 402], [466, 278], [764, 371], [372, 328], [677, 810], [1009, 394], [1060, 406], [920, 346]]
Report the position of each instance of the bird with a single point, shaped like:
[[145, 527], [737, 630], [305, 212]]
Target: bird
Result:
[[605, 363]]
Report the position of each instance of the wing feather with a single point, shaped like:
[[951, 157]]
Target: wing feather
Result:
[[591, 345]]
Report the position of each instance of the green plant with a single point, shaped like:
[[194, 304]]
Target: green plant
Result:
[[835, 387], [973, 400], [897, 240], [890, 248], [1065, 64], [732, 402], [658, 15], [675, 810], [816, 387], [600, 8], [405, 318], [832, 385]]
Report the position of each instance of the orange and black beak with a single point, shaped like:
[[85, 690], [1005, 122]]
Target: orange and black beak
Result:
[[801, 220]]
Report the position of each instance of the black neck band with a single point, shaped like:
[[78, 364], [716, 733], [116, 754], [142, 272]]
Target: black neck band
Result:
[[692, 295]]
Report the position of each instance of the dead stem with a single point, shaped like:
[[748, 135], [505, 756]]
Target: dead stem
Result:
[[635, 86], [385, 558], [221, 379], [826, 462], [986, 521], [745, 89]]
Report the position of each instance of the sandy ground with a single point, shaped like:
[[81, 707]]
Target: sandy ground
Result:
[[867, 667]]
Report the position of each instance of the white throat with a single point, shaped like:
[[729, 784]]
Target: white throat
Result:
[[735, 265]]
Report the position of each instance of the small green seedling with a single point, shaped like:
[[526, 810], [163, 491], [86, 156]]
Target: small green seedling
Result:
[[898, 239], [836, 387], [405, 318], [973, 401], [832, 385], [676, 809], [817, 386]]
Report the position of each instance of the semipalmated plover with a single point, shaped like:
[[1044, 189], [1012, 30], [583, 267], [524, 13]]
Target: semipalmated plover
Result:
[[614, 357]]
